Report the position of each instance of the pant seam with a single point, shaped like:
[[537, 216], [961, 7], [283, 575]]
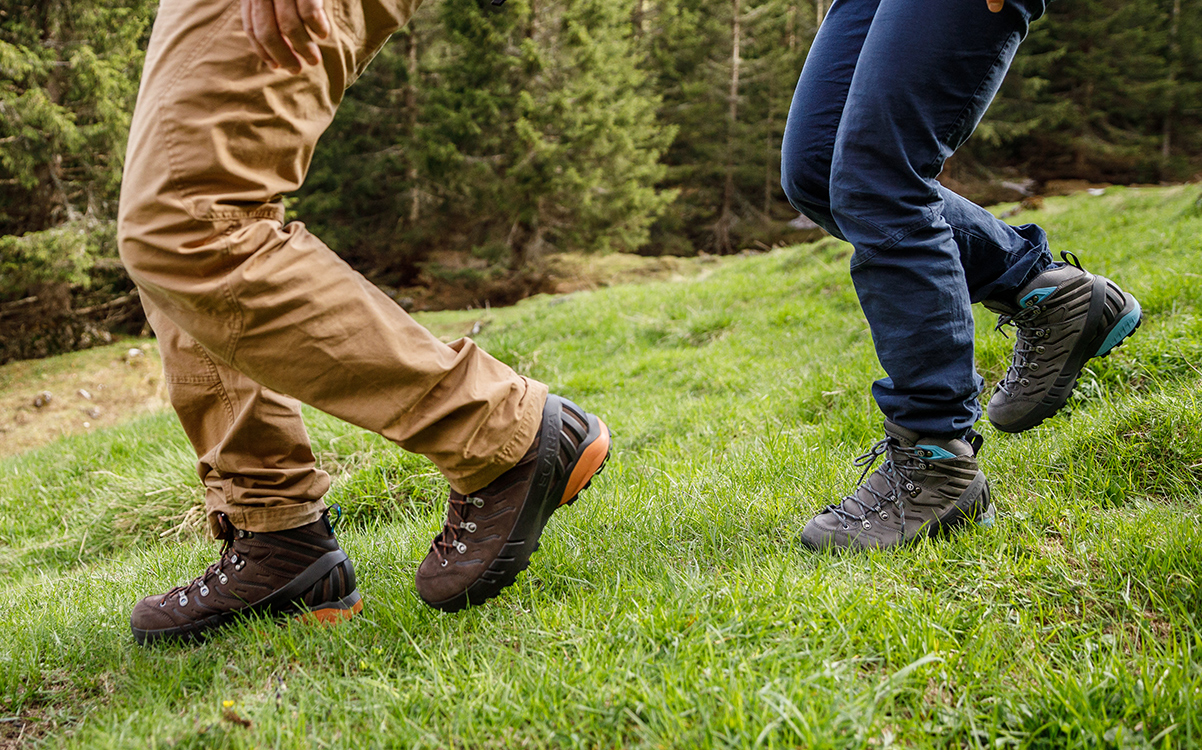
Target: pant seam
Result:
[[262, 519], [169, 139], [868, 255], [863, 256], [939, 159], [191, 380], [237, 319], [225, 402]]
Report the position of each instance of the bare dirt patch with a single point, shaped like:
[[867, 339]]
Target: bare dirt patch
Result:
[[42, 400]]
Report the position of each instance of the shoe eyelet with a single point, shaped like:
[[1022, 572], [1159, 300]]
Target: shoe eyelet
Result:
[[163, 602], [443, 564], [233, 558], [460, 547], [479, 503], [1033, 366], [204, 590], [884, 515], [1039, 349], [915, 492], [866, 524], [183, 600], [470, 526], [223, 578], [845, 527], [241, 564], [1025, 382]]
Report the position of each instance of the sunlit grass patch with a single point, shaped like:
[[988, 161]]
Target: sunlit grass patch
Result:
[[674, 606]]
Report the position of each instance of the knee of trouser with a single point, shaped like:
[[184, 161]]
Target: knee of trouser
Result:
[[877, 191], [163, 247], [805, 184], [134, 240], [861, 203]]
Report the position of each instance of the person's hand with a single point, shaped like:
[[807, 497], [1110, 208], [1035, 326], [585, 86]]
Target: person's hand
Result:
[[282, 31], [995, 6]]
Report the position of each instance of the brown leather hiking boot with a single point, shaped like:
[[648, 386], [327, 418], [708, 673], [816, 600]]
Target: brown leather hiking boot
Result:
[[299, 571], [489, 535]]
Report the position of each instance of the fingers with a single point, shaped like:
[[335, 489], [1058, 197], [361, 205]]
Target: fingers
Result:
[[265, 32], [995, 6], [281, 31], [249, 27], [314, 17], [292, 26]]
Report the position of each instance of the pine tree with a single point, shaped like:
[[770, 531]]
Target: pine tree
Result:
[[727, 72], [366, 195], [68, 77], [506, 132], [1103, 90], [551, 130]]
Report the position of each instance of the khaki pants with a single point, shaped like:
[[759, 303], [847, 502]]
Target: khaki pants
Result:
[[247, 308]]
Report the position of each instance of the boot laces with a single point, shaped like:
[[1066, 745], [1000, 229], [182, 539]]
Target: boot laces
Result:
[[448, 539], [900, 462], [217, 569], [1026, 345]]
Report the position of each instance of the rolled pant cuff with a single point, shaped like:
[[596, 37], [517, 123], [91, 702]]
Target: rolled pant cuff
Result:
[[508, 457], [264, 520]]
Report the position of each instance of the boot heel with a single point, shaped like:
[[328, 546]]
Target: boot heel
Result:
[[1126, 325], [332, 613]]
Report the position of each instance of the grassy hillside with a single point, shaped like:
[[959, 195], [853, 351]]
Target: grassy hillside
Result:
[[674, 605]]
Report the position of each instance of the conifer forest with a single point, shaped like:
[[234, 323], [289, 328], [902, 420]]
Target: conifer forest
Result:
[[503, 134]]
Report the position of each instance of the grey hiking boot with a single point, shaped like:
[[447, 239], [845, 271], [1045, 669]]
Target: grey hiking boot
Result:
[[926, 486], [1064, 317]]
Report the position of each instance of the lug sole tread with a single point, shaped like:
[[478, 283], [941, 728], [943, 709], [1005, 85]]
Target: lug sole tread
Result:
[[327, 613]]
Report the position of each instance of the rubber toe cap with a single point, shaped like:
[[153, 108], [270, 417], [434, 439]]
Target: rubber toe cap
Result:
[[1010, 414]]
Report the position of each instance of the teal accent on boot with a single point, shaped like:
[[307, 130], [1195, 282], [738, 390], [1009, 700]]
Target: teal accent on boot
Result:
[[1035, 296], [1121, 331], [934, 451]]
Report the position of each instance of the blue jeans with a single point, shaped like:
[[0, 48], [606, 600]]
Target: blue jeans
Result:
[[890, 89]]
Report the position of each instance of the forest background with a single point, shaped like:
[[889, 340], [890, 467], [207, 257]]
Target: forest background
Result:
[[483, 140]]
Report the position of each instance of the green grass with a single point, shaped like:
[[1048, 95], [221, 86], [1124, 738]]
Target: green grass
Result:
[[674, 605]]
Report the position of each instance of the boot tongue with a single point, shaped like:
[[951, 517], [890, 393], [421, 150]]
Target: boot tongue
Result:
[[1036, 290], [999, 308], [932, 447], [901, 434]]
